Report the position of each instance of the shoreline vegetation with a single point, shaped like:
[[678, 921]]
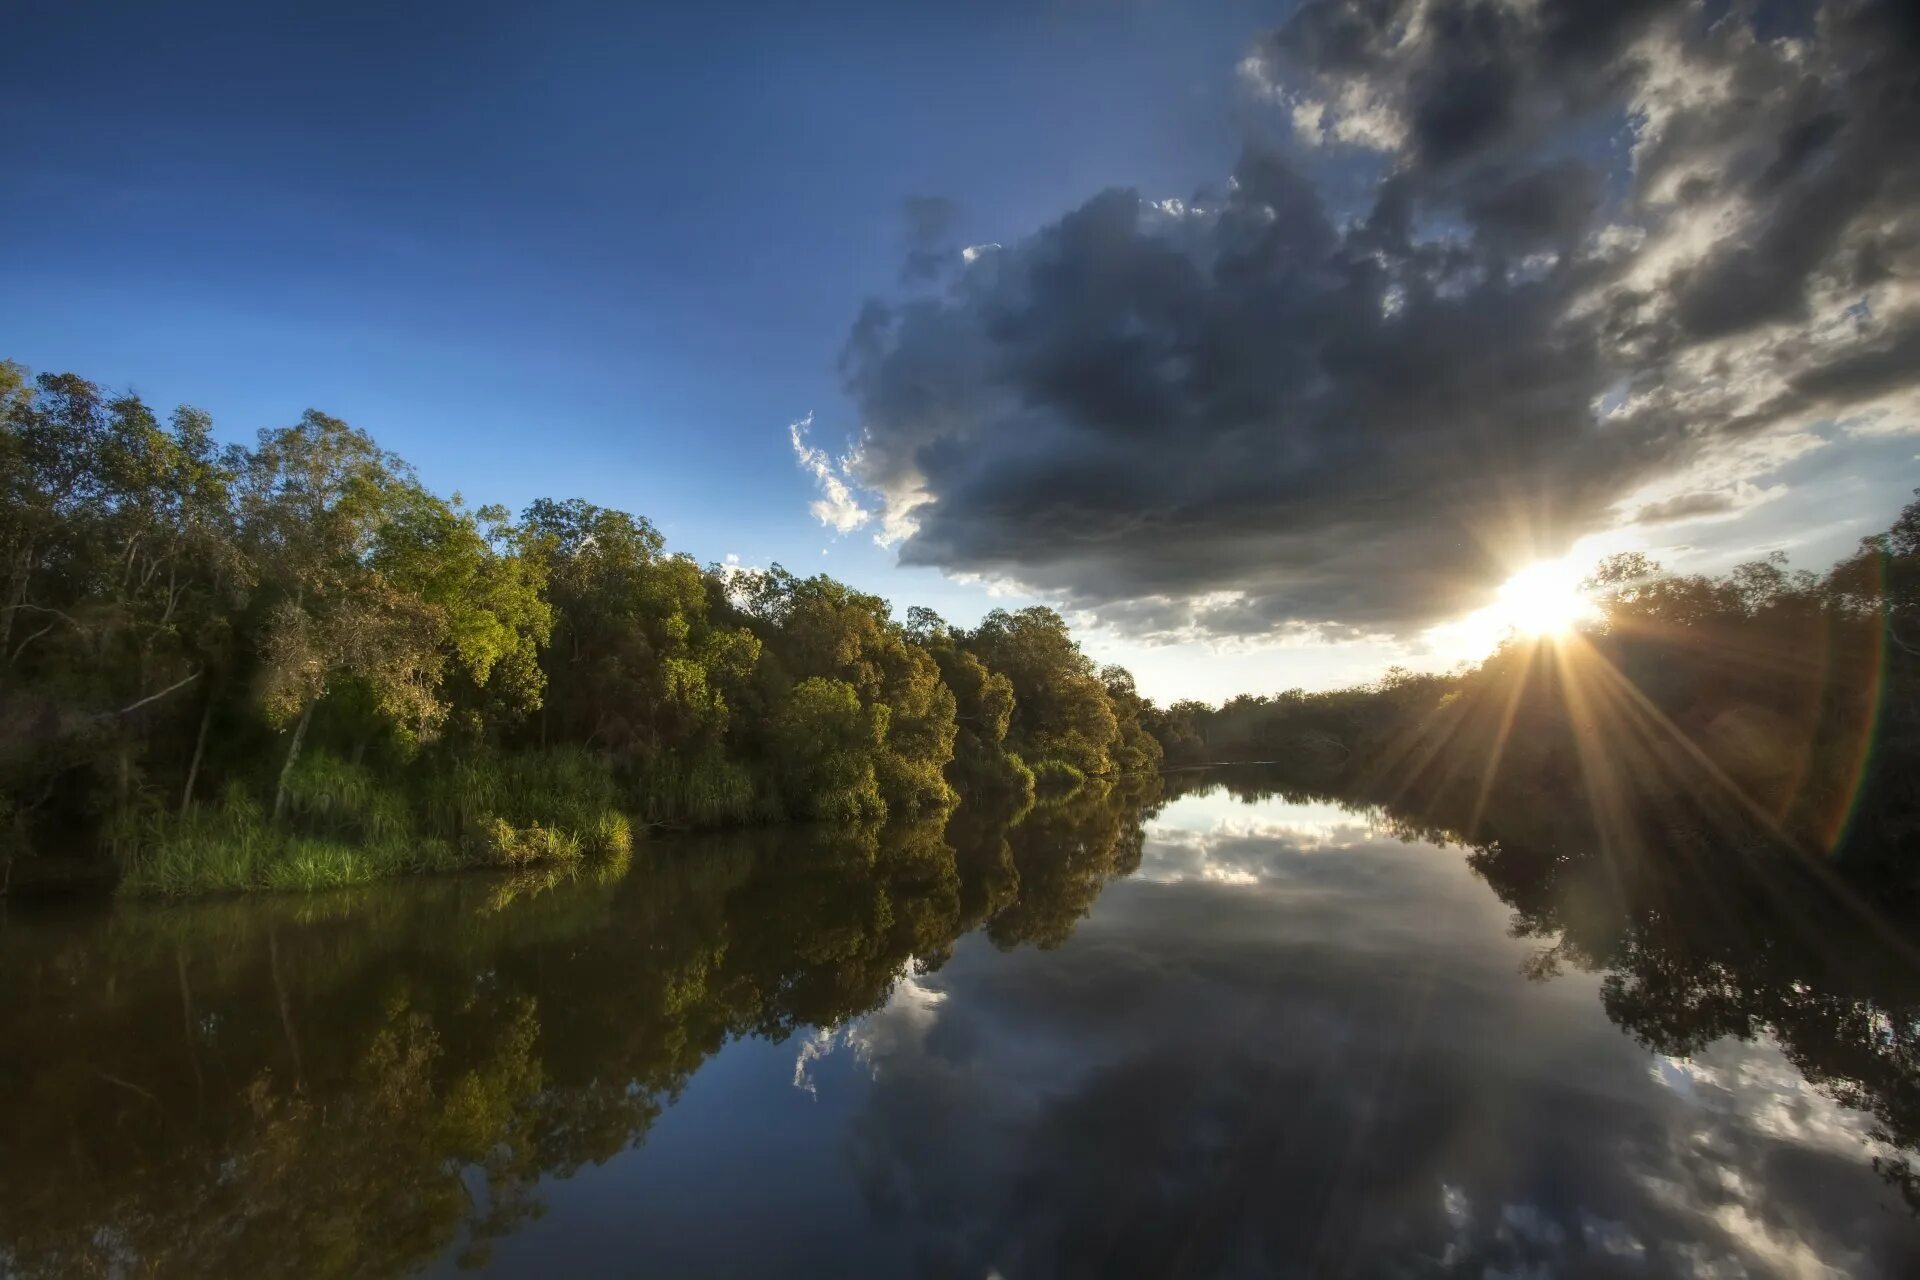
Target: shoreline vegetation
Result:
[[292, 667]]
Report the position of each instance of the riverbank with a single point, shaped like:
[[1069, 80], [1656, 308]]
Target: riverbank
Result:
[[343, 824]]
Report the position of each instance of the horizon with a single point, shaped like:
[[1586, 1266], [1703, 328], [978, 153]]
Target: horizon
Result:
[[647, 311]]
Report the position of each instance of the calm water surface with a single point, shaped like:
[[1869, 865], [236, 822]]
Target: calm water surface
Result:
[[1190, 1030]]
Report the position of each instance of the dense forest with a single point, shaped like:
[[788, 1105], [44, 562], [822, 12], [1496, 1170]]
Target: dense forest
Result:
[[1764, 705], [294, 666]]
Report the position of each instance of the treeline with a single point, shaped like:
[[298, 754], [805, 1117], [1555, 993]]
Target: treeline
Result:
[[293, 665], [1762, 705]]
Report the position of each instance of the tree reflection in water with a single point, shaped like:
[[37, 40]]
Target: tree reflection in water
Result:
[[1697, 943], [350, 1085], [355, 1085]]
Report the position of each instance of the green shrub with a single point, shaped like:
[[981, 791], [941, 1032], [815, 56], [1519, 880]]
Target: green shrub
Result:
[[309, 866], [1019, 778], [506, 845], [1058, 773], [912, 786], [608, 836], [851, 802], [230, 847], [566, 789]]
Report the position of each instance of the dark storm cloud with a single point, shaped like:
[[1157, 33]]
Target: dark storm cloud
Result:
[[1608, 246], [1686, 506]]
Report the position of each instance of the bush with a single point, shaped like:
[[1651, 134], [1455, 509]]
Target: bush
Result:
[[608, 836], [505, 845], [309, 866], [827, 744], [1058, 773], [233, 847]]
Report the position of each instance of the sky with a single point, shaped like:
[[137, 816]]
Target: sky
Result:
[[1264, 340]]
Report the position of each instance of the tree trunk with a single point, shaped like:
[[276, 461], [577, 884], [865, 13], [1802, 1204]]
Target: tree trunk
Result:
[[293, 756], [199, 749]]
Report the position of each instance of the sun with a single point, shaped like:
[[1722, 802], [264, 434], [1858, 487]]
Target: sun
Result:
[[1543, 600]]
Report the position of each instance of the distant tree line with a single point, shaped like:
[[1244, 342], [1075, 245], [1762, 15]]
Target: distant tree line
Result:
[[1759, 705], [293, 665]]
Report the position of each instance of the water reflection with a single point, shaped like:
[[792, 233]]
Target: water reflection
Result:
[[1205, 1027]]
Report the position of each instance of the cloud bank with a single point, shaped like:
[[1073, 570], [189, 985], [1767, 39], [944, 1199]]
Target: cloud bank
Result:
[[1515, 270]]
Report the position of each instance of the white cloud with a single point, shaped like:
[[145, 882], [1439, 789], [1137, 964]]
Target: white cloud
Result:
[[900, 1026], [836, 507]]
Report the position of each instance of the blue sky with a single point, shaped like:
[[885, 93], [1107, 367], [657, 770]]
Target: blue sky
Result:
[[586, 249], [593, 249]]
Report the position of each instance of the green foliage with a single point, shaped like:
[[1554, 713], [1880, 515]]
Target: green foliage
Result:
[[608, 836], [1057, 773], [827, 744], [224, 848], [505, 845], [1061, 709], [381, 667], [563, 799], [705, 790], [346, 800], [349, 827]]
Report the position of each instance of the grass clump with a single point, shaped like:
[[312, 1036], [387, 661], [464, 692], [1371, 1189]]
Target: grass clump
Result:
[[506, 845], [211, 849], [310, 866], [608, 836], [1058, 773], [706, 790], [567, 795], [330, 795]]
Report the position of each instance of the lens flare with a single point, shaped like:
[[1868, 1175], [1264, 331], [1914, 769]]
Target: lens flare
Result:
[[1543, 600]]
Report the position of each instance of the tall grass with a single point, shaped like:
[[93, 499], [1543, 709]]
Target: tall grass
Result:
[[232, 848], [565, 790], [212, 848], [706, 790], [348, 826], [339, 798], [1058, 773]]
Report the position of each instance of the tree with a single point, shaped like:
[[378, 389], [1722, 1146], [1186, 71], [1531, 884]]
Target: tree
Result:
[[827, 746], [819, 628], [641, 661], [1061, 710]]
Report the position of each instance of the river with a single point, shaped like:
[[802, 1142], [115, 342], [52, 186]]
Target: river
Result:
[[1201, 1026]]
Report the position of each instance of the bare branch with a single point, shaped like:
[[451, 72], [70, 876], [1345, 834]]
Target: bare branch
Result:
[[155, 697]]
